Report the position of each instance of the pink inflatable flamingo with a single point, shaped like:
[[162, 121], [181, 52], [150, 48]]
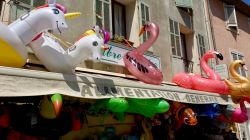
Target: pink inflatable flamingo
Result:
[[239, 115], [194, 81], [140, 66]]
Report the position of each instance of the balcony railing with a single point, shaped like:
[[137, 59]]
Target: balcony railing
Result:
[[188, 65]]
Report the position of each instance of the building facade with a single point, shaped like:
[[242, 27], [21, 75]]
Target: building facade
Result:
[[183, 28], [230, 30]]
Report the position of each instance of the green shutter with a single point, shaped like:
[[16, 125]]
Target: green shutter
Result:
[[184, 3]]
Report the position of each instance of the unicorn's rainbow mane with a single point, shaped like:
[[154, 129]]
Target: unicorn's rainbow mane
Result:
[[87, 33], [59, 6]]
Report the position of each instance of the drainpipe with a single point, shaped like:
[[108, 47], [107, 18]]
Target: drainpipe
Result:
[[209, 25]]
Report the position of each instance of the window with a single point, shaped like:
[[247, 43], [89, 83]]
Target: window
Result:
[[175, 37], [184, 3], [201, 45], [1, 4], [103, 14], [24, 6], [144, 9], [119, 23], [230, 17], [238, 56]]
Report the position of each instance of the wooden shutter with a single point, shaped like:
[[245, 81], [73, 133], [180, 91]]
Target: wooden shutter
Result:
[[230, 15], [184, 3]]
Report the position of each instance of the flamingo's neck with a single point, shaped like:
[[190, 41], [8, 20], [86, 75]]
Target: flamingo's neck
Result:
[[237, 76], [206, 68], [149, 42], [242, 105]]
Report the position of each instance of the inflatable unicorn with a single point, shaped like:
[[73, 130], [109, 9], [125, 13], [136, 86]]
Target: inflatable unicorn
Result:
[[50, 52], [15, 37]]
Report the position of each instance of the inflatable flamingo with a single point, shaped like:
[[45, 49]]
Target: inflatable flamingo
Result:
[[50, 52], [238, 115], [15, 37], [194, 81], [140, 66], [242, 88]]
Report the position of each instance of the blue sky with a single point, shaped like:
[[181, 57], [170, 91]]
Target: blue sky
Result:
[[247, 1]]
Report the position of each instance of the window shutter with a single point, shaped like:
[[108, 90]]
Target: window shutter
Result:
[[184, 3], [230, 15], [37, 3]]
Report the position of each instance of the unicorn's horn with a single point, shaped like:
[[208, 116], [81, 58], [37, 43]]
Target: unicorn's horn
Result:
[[72, 15], [52, 3]]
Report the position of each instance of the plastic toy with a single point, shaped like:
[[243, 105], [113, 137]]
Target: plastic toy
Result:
[[213, 81], [140, 66], [182, 115], [50, 109], [242, 88], [238, 115], [50, 52], [15, 37]]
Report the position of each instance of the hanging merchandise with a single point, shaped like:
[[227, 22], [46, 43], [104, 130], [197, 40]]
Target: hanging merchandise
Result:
[[27, 120], [207, 110], [213, 81], [89, 46], [237, 115], [242, 87], [15, 37], [145, 107], [140, 66], [182, 115], [4, 117], [51, 108]]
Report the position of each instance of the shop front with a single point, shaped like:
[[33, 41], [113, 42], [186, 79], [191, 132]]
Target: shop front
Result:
[[80, 92]]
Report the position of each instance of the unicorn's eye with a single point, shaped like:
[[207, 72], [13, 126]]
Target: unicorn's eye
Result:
[[56, 11], [95, 43]]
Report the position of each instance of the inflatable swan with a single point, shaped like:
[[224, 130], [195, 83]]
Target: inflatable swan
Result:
[[243, 87], [56, 59], [15, 37]]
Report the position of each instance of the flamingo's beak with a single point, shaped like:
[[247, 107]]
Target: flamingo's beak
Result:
[[104, 47], [72, 15], [142, 30], [57, 103], [220, 56]]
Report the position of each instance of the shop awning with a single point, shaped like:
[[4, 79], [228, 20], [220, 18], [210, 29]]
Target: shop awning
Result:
[[15, 82]]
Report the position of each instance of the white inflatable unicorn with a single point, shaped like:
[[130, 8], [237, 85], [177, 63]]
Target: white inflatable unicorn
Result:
[[50, 52], [15, 37]]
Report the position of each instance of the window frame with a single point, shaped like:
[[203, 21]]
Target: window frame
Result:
[[141, 20], [200, 45], [175, 34], [232, 27], [23, 5], [238, 54], [110, 14]]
